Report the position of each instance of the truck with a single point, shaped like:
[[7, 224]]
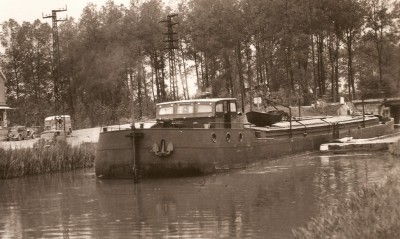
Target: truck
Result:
[[58, 122]]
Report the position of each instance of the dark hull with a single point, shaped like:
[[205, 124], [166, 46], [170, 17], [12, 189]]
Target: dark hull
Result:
[[194, 151], [261, 119]]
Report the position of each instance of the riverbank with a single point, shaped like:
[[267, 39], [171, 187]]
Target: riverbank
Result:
[[373, 212], [31, 161], [20, 158]]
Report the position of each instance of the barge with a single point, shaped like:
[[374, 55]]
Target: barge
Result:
[[202, 136]]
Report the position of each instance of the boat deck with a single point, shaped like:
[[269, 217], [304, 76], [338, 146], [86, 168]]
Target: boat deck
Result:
[[315, 122]]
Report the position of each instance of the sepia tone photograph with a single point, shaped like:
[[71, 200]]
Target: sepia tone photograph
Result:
[[200, 119]]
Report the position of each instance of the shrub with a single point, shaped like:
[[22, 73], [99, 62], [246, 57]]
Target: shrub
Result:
[[373, 212], [31, 161]]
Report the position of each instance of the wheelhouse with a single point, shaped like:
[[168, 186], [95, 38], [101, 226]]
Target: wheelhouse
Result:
[[198, 113]]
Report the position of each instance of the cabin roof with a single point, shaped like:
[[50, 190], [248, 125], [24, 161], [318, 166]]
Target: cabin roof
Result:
[[211, 100]]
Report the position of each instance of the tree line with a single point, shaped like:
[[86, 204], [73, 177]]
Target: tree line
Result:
[[115, 57]]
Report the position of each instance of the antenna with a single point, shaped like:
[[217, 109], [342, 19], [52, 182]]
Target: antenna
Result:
[[56, 55]]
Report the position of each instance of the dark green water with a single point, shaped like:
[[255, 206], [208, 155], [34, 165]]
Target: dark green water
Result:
[[264, 201]]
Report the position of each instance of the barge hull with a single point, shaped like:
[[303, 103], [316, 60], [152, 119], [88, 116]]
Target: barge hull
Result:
[[189, 152]]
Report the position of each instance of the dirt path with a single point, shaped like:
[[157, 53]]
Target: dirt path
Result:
[[77, 137]]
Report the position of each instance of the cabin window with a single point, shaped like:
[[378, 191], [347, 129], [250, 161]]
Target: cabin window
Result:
[[166, 110], [204, 108], [184, 109], [219, 107], [233, 107]]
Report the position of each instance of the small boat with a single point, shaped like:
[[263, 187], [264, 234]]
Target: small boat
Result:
[[202, 136], [262, 119]]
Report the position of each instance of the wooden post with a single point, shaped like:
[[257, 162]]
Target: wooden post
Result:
[[363, 111], [5, 119], [299, 109], [290, 122], [134, 164]]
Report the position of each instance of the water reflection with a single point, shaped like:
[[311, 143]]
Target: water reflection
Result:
[[263, 201]]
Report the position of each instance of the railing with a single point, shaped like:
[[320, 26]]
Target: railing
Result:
[[177, 124], [305, 127], [329, 123]]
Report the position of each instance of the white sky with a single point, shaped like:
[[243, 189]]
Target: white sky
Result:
[[30, 10]]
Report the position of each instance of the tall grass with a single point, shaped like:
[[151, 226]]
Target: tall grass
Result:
[[374, 212], [40, 160]]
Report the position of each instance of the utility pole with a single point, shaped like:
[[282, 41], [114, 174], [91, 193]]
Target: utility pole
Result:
[[56, 57], [171, 46]]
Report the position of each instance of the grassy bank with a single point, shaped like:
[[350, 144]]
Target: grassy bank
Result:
[[374, 212], [31, 161]]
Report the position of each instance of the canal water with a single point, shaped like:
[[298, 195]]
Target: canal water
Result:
[[266, 200]]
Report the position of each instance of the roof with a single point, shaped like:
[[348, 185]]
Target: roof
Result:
[[58, 116], [210, 100]]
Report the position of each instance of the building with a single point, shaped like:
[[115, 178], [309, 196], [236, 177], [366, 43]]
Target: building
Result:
[[3, 105]]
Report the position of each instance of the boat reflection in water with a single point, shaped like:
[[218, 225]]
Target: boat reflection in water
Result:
[[266, 200]]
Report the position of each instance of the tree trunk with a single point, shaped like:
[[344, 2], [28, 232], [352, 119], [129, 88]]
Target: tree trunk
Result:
[[315, 80], [350, 64], [249, 76], [258, 64], [162, 81], [332, 61], [379, 46], [196, 64], [241, 81], [158, 80], [152, 80], [207, 83], [139, 93], [186, 89], [203, 86], [337, 69], [228, 72], [321, 67]]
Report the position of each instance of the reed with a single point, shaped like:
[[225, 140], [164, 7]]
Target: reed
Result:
[[373, 212], [40, 160]]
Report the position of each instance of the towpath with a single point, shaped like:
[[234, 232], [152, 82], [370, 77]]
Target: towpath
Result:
[[77, 137]]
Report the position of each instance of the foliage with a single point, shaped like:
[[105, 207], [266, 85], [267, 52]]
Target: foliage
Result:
[[371, 213], [114, 56], [40, 160]]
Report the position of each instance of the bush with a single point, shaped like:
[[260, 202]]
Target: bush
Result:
[[40, 160], [373, 212]]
